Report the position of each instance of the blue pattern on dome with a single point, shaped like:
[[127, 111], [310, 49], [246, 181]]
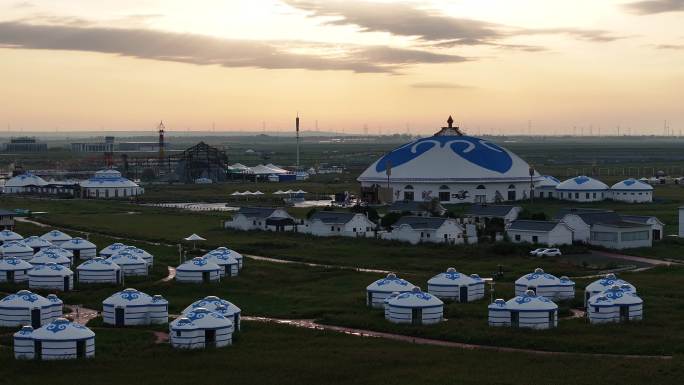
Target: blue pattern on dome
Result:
[[420, 295], [130, 295], [12, 260], [25, 331], [28, 296], [452, 275], [199, 261], [529, 298], [58, 325], [477, 151], [581, 179], [387, 281], [533, 276], [629, 182]]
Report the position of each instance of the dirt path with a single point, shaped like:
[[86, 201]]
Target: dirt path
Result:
[[170, 276], [81, 315]]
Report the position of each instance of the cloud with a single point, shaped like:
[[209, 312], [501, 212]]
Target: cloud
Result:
[[650, 7], [670, 46], [439, 85], [205, 50]]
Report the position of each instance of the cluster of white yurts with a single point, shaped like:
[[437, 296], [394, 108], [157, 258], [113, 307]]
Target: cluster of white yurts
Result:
[[608, 299], [587, 189], [211, 267], [47, 261]]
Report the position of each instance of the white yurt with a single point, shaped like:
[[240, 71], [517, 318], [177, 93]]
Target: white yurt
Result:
[[58, 340], [112, 249], [43, 258], [545, 284], [617, 304], [36, 243], [23, 183], [131, 265], [200, 329], [385, 303], [56, 237], [9, 235], [377, 291], [227, 263], [603, 284], [99, 270], [14, 270], [632, 190], [81, 248], [110, 184], [57, 250], [582, 189], [455, 286], [233, 253], [526, 311], [16, 249], [51, 276], [218, 305], [27, 308], [198, 270], [546, 187], [133, 307], [147, 257], [415, 307]]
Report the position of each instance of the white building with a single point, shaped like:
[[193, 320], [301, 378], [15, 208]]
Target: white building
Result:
[[450, 166], [56, 237], [51, 276], [546, 187], [9, 235], [657, 226], [582, 189], [23, 183], [198, 270], [607, 229], [58, 340], [43, 258], [26, 308], [415, 307], [81, 248], [131, 265], [481, 214], [99, 270], [109, 184], [603, 284], [16, 249], [525, 311], [344, 224], [617, 304], [632, 191], [549, 233], [427, 229], [112, 249], [456, 286], [377, 291], [545, 285], [261, 218], [199, 329], [220, 306], [132, 307], [14, 270], [36, 243]]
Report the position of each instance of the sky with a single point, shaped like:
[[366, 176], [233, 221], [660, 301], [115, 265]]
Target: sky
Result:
[[498, 66]]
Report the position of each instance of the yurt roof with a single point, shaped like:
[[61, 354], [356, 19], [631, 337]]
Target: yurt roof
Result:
[[50, 270], [200, 318], [605, 283], [547, 181], [527, 301], [43, 258], [415, 299], [55, 250], [55, 235], [15, 247], [62, 329], [582, 183], [108, 179], [9, 235], [14, 263], [36, 241], [113, 248], [449, 158], [389, 284], [27, 299], [26, 179], [98, 264], [198, 264], [215, 304], [221, 259], [225, 251], [133, 297], [78, 243], [453, 278], [631, 184], [539, 278], [137, 251], [616, 295], [125, 258]]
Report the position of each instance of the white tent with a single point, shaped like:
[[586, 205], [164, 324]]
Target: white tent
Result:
[[149, 258], [200, 329], [56, 237], [526, 311], [236, 193], [415, 307], [80, 247], [228, 264], [43, 258], [280, 192], [603, 284], [257, 193], [58, 340], [99, 270], [57, 250], [16, 249], [457, 286], [131, 265], [36, 243], [112, 249], [218, 305], [617, 304], [194, 238], [198, 270], [27, 308], [227, 251], [377, 291], [133, 307], [9, 235], [51, 276], [14, 270], [546, 285]]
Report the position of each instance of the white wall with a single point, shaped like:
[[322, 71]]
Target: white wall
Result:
[[581, 196], [559, 235], [405, 233], [632, 196], [431, 190], [581, 229], [358, 226]]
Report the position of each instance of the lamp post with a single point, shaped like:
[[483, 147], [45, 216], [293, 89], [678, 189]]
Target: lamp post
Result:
[[531, 184]]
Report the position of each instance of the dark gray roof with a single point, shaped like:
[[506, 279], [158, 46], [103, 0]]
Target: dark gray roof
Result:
[[5, 213], [256, 212], [623, 224], [604, 217], [489, 210], [331, 217], [643, 219], [528, 225], [413, 206], [576, 210], [421, 222]]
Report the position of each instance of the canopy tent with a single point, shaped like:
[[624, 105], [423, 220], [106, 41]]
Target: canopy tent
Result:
[[194, 238]]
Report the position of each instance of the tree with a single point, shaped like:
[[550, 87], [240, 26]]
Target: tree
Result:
[[389, 219], [147, 175], [370, 212]]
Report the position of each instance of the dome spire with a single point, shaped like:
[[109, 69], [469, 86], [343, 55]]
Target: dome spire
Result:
[[449, 130]]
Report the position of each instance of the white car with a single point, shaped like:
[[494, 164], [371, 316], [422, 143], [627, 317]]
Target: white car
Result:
[[537, 251], [549, 253]]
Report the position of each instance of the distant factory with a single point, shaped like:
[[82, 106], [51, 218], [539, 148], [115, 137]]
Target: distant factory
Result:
[[109, 145], [25, 144]]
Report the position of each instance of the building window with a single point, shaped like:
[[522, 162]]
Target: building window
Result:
[[577, 196], [604, 236], [635, 236], [367, 228], [481, 187], [178, 333], [354, 230], [408, 187], [517, 237], [408, 195], [427, 235], [332, 228], [446, 236], [444, 196], [586, 195]]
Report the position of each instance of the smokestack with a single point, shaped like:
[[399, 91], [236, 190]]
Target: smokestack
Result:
[[297, 128]]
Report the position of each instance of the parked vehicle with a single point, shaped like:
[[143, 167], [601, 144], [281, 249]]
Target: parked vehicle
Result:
[[537, 251], [550, 253]]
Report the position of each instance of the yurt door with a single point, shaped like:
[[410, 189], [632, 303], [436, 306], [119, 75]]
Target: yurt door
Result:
[[209, 338], [236, 321], [515, 319], [118, 276], [370, 299], [37, 349], [10, 276], [552, 318], [77, 255], [80, 349], [119, 317], [35, 318], [205, 277], [226, 271], [463, 294], [624, 313], [417, 316], [586, 298], [66, 283]]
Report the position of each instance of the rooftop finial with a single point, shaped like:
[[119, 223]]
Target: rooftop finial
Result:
[[450, 130], [450, 121]]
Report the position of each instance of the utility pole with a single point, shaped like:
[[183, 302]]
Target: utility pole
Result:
[[297, 129]]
